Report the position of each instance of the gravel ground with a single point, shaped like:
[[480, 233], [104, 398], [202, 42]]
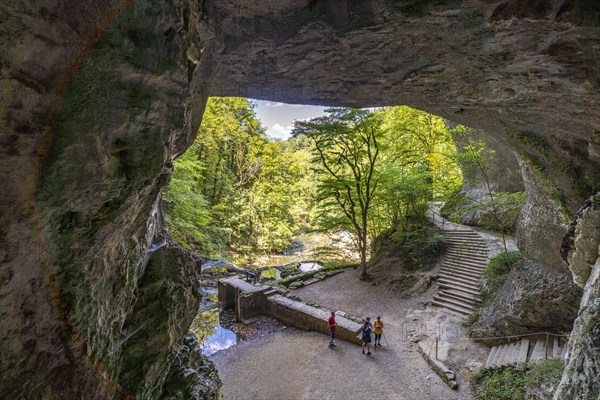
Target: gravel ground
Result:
[[290, 364]]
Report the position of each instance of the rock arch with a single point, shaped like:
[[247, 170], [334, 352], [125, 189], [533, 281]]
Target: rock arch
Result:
[[98, 98]]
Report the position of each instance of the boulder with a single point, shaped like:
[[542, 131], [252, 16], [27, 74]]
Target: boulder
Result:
[[533, 299]]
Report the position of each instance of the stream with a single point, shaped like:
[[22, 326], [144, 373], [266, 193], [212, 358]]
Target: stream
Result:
[[212, 331]]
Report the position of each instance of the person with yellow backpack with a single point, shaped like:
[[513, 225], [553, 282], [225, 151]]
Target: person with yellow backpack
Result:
[[378, 325]]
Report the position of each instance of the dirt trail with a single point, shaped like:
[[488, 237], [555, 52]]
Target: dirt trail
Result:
[[290, 364]]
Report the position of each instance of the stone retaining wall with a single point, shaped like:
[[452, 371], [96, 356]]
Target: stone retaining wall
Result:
[[250, 301]]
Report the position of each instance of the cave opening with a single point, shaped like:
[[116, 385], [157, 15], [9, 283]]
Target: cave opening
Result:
[[96, 100]]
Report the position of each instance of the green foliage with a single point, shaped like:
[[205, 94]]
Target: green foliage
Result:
[[501, 264], [204, 324], [404, 282], [419, 141], [545, 373], [495, 274], [419, 248], [504, 383], [346, 150], [473, 317], [235, 191], [379, 169]]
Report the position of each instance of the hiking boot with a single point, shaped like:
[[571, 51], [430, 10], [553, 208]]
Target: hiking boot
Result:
[[363, 352], [369, 353]]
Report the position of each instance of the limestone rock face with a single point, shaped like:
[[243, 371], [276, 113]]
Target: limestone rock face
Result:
[[533, 299], [543, 221], [96, 100], [580, 379], [98, 97], [528, 75]]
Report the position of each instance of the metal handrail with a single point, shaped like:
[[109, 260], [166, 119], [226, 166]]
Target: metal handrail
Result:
[[522, 335]]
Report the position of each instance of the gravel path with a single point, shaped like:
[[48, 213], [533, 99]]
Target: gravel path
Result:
[[292, 364]]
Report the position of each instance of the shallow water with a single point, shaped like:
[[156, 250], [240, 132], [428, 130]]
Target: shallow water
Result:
[[220, 339], [310, 266]]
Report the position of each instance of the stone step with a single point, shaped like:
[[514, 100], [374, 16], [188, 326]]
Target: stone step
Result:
[[459, 295], [459, 288], [491, 356], [462, 278], [448, 300], [479, 259], [462, 252], [499, 353], [466, 243], [271, 292], [461, 233], [513, 354], [452, 307], [539, 351], [555, 348], [523, 351], [460, 271], [504, 358], [466, 262], [460, 282], [502, 355]]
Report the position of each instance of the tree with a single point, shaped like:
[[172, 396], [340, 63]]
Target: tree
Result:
[[421, 140], [346, 145], [234, 191], [473, 154]]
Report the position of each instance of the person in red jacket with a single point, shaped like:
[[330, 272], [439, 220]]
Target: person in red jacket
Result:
[[332, 325]]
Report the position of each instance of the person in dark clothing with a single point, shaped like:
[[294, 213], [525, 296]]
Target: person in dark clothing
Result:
[[366, 336]]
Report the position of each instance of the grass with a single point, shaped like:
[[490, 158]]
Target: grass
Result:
[[507, 383], [472, 318], [504, 383], [543, 378]]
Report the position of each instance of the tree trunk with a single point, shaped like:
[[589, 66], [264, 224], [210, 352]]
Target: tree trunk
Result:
[[363, 258]]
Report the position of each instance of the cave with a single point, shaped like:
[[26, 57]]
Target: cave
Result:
[[97, 99]]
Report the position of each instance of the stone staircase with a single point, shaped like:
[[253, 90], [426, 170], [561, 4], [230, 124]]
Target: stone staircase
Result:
[[461, 272], [527, 350]]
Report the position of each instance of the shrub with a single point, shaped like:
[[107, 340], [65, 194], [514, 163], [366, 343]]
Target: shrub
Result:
[[471, 319], [543, 378], [504, 383], [404, 282], [419, 249]]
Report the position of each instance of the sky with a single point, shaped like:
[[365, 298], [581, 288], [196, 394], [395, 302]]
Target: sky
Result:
[[278, 118]]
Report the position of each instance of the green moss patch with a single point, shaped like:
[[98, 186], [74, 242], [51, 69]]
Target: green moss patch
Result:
[[495, 274]]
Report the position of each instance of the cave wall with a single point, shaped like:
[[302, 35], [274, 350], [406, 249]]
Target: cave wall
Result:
[[97, 101], [97, 98], [581, 250]]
